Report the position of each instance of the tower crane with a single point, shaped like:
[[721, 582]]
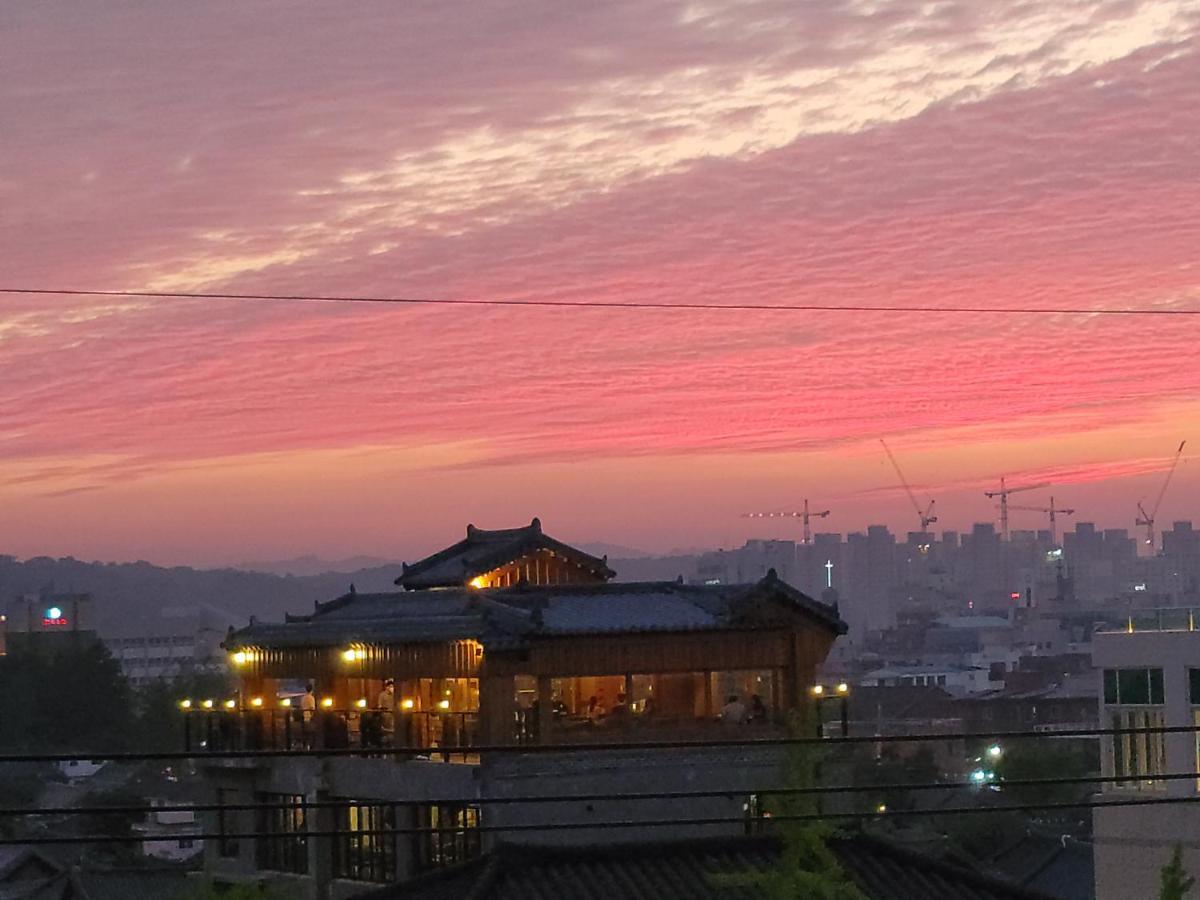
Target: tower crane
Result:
[[1053, 511], [925, 515], [804, 515], [1003, 495], [1147, 518]]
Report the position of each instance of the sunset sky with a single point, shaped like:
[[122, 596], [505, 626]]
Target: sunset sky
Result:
[[1001, 153]]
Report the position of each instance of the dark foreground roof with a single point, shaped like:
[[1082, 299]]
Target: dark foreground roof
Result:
[[690, 870], [499, 617], [1057, 865], [482, 551]]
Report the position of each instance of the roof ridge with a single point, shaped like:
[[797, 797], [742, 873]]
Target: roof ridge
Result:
[[933, 863]]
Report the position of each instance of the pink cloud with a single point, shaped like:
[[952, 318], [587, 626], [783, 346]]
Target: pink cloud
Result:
[[1076, 190]]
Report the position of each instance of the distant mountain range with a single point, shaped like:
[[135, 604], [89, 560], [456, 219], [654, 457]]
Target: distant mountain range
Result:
[[315, 565], [138, 598]]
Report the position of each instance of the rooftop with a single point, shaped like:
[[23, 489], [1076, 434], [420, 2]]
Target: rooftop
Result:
[[482, 550], [1173, 618], [692, 870], [508, 616]]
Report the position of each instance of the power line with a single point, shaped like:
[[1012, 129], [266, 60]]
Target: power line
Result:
[[623, 823], [473, 750], [599, 797], [610, 304]]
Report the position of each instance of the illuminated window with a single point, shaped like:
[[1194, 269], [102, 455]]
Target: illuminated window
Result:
[[282, 842], [1134, 698], [364, 850], [454, 837]]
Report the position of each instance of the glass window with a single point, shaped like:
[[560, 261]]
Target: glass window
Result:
[[1133, 687], [1194, 687], [282, 842], [1110, 685], [365, 846], [1135, 752], [452, 835]]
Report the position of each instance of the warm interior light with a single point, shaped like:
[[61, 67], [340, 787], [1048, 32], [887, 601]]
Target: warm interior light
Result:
[[286, 701], [230, 704], [444, 704], [361, 703], [207, 704], [881, 808], [818, 690], [257, 701], [349, 655], [240, 658], [327, 702], [843, 687], [406, 703], [185, 704], [478, 581]]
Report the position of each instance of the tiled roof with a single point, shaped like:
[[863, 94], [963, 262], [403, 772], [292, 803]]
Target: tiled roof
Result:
[[691, 870], [482, 551], [498, 616], [1055, 864]]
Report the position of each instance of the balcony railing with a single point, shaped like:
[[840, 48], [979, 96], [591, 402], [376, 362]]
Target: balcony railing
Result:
[[454, 734], [442, 734], [1175, 618]]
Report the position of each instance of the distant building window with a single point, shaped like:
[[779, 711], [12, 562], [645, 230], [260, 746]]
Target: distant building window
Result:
[[1194, 686], [1133, 687], [450, 835], [282, 842], [365, 846], [941, 679], [185, 843]]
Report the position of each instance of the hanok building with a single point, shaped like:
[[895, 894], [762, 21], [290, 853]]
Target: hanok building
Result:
[[496, 649]]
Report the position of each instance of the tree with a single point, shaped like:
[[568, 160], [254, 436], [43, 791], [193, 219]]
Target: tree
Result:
[[1174, 880], [159, 720], [807, 867], [63, 692]]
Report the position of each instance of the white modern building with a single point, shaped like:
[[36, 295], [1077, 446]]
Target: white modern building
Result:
[[1151, 679], [955, 680]]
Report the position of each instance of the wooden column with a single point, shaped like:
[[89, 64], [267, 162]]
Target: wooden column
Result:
[[709, 712], [496, 708]]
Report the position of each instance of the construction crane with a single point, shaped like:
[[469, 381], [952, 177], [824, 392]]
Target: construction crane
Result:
[[1147, 518], [1003, 495], [803, 515], [1053, 511], [925, 515]]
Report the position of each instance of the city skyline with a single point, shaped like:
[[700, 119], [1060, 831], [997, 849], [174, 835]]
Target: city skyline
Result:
[[901, 154]]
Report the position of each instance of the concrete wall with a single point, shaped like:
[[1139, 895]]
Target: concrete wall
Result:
[[1133, 844]]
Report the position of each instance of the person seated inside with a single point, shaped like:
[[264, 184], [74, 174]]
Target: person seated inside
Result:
[[620, 708], [595, 709], [734, 711], [758, 710]]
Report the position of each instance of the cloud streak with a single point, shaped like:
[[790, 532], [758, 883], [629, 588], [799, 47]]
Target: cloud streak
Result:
[[902, 153]]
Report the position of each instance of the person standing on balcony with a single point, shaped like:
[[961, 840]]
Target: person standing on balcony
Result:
[[387, 706], [308, 710]]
